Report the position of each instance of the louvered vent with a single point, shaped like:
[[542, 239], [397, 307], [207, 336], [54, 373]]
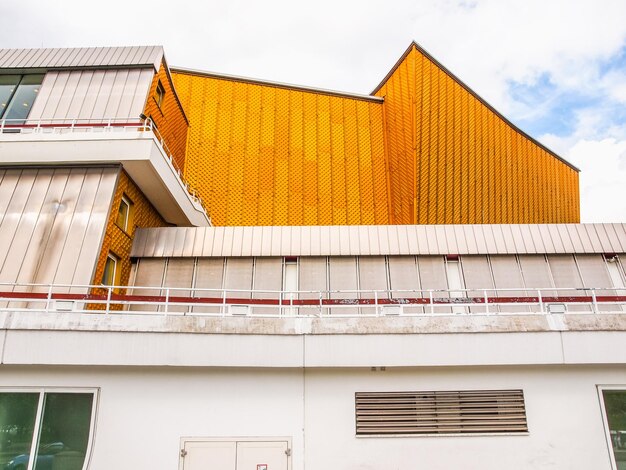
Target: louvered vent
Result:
[[456, 412]]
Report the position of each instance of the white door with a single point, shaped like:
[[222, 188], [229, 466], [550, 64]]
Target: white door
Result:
[[262, 455], [209, 455], [234, 455]]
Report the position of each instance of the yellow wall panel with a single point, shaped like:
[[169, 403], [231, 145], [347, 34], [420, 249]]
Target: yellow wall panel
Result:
[[433, 152], [262, 154], [467, 164], [118, 241], [168, 116]]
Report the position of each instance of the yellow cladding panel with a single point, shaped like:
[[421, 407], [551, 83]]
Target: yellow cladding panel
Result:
[[460, 161], [266, 155], [168, 115], [117, 240]]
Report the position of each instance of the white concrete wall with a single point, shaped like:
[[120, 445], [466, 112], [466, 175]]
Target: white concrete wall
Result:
[[563, 410], [143, 412]]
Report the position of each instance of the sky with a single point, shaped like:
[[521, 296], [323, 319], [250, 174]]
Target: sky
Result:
[[555, 68]]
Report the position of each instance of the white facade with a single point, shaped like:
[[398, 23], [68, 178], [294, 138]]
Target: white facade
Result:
[[162, 380]]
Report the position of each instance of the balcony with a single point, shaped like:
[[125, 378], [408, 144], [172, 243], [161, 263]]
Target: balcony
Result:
[[135, 144], [127, 325]]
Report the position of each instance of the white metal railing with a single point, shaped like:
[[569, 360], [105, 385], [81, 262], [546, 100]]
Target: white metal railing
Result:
[[336, 303], [107, 125]]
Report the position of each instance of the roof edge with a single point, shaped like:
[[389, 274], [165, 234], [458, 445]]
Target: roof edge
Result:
[[395, 66], [289, 86], [90, 50], [474, 94], [171, 79]]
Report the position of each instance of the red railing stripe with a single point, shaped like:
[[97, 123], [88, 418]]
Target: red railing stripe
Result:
[[118, 298]]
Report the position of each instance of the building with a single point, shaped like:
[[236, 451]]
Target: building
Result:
[[209, 271]]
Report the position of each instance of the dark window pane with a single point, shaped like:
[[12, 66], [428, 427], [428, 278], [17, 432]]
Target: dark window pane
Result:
[[8, 84], [17, 421], [23, 99], [64, 431], [615, 405]]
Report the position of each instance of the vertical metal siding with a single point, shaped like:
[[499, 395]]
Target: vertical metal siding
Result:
[[343, 275], [52, 222], [507, 274], [313, 275], [238, 275], [96, 95], [382, 240], [81, 57], [268, 276], [565, 274], [149, 273], [372, 277], [209, 275], [477, 275], [96, 193], [179, 274]]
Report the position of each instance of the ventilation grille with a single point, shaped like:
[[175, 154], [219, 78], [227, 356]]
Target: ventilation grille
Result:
[[456, 412]]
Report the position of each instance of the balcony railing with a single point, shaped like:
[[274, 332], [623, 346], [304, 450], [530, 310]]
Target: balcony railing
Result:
[[122, 300], [109, 125]]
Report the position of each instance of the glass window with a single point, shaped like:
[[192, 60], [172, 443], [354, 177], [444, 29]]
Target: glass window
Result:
[[17, 423], [124, 214], [23, 99], [56, 425], [160, 94], [110, 270], [615, 408], [8, 85]]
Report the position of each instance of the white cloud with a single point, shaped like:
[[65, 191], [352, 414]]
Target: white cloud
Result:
[[602, 179]]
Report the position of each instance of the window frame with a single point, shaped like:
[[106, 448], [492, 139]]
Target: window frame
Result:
[[159, 94], [42, 391], [11, 100], [605, 419], [128, 219], [111, 256]]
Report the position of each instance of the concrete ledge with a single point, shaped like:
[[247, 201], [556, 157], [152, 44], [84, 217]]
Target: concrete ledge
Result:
[[196, 324], [31, 338]]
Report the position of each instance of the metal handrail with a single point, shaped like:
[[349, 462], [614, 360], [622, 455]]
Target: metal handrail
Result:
[[140, 124], [278, 303]]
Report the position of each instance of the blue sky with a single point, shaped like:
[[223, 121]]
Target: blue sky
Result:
[[553, 110], [556, 68]]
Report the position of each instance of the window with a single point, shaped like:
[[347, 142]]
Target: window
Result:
[[109, 276], [441, 412], [124, 212], [160, 94], [614, 404], [290, 281], [54, 426], [17, 95], [455, 280]]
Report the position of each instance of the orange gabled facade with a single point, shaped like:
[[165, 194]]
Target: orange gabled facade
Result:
[[168, 115], [424, 150], [265, 154], [455, 160]]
